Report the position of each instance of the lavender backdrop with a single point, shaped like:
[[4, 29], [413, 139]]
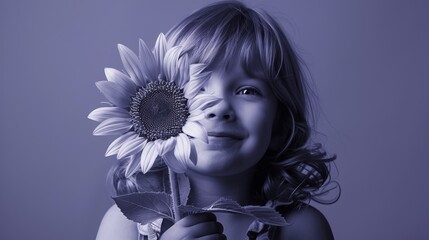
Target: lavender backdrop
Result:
[[369, 61]]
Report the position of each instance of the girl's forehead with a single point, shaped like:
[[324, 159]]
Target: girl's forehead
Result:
[[233, 73], [230, 69], [237, 63]]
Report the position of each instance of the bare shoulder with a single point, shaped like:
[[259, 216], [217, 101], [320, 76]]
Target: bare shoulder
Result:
[[306, 223], [116, 226]]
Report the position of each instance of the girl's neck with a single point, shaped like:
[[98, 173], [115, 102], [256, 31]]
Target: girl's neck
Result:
[[207, 189]]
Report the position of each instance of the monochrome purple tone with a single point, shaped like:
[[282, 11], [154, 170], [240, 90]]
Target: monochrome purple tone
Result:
[[368, 63]]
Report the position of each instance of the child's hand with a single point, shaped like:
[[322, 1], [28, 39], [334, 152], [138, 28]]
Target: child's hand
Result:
[[201, 226]]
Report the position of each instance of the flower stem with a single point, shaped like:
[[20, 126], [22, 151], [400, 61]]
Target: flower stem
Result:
[[175, 196]]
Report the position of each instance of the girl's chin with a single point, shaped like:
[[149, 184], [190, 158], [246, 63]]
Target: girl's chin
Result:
[[218, 167], [209, 170]]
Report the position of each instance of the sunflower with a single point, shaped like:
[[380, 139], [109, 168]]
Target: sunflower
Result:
[[154, 106]]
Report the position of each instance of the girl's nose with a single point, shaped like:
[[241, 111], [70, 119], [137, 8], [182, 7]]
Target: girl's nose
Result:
[[221, 112]]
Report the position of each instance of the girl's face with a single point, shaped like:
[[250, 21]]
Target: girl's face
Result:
[[239, 127]]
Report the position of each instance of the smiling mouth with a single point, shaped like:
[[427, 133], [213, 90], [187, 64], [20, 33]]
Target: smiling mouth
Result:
[[222, 140], [224, 135]]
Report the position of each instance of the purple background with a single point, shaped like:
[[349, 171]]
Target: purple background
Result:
[[369, 61]]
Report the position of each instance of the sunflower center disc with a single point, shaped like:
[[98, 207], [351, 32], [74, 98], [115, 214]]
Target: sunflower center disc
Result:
[[159, 111]]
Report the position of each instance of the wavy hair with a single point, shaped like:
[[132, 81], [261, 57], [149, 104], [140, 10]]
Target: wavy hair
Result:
[[291, 170]]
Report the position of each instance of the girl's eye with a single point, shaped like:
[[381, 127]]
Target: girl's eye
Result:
[[248, 91]]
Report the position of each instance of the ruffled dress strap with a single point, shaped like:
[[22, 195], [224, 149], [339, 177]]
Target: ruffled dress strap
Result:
[[260, 231], [150, 231]]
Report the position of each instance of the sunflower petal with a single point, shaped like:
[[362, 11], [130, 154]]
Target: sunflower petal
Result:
[[197, 79], [114, 93], [196, 116], [149, 155], [183, 76], [131, 64], [133, 166], [160, 50], [202, 102], [173, 163], [197, 68], [182, 151], [112, 126], [103, 113], [175, 66], [193, 155], [117, 143], [164, 146], [195, 130], [170, 62], [148, 62], [131, 147], [121, 79]]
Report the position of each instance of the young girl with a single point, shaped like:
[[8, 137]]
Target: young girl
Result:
[[258, 150]]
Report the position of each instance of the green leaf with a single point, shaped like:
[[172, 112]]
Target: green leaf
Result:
[[154, 181], [184, 188], [145, 207], [263, 214]]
